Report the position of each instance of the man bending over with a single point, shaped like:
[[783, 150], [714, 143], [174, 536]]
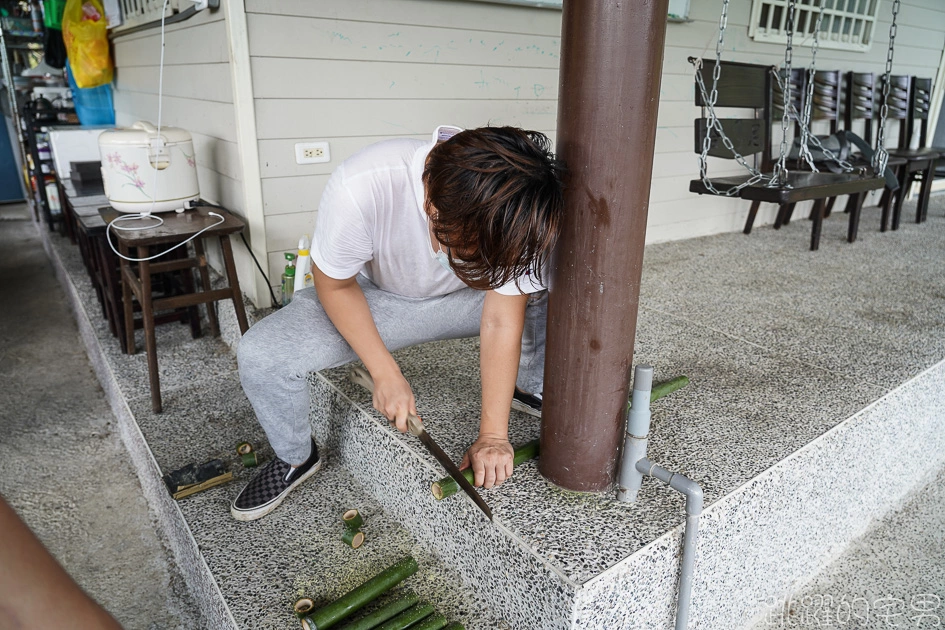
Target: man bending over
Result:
[[414, 242]]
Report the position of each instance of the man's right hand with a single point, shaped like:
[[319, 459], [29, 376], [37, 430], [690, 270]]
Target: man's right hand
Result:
[[394, 398]]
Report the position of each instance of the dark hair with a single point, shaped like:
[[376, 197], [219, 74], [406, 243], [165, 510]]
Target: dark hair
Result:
[[495, 200]]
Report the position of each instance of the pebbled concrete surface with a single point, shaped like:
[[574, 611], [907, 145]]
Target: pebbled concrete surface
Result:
[[63, 467]]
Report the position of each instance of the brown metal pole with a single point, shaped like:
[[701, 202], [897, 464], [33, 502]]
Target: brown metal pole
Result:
[[611, 60]]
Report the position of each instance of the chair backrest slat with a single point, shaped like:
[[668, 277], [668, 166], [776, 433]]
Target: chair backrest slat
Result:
[[745, 86]]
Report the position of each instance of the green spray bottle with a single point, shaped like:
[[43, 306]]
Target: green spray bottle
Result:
[[288, 279]]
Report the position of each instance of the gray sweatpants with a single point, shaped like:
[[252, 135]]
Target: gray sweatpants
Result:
[[276, 355]]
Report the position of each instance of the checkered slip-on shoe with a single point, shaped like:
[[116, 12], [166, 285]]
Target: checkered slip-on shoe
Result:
[[527, 403], [271, 485]]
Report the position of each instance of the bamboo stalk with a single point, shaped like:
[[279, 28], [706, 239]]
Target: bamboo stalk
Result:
[[665, 388], [353, 538], [387, 611], [455, 626], [436, 621], [352, 519], [409, 617], [447, 486], [360, 596]]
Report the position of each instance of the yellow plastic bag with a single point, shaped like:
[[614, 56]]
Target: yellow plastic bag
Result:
[[86, 39]]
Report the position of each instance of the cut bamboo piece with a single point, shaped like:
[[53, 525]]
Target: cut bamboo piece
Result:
[[436, 621], [244, 448], [360, 596], [455, 626], [447, 486], [353, 538], [352, 519], [409, 617], [385, 612], [249, 459], [304, 606]]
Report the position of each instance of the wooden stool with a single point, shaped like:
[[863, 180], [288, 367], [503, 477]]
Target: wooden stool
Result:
[[176, 229], [105, 274]]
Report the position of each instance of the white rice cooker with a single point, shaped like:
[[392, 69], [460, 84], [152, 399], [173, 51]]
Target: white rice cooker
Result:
[[144, 171]]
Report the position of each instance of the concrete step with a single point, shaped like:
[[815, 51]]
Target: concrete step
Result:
[[554, 559]]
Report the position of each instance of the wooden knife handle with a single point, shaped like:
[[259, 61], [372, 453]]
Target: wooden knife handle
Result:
[[359, 375]]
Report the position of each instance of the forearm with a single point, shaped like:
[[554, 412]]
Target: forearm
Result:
[[348, 310], [500, 348]]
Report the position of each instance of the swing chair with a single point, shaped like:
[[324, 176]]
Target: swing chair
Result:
[[749, 86]]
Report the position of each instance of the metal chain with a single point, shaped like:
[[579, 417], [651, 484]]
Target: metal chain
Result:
[[881, 156], [780, 175], [814, 140], [809, 96], [709, 99]]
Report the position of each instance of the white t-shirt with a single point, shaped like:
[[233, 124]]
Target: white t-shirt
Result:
[[371, 221]]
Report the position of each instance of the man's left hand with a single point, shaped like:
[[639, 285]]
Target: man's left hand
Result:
[[491, 459]]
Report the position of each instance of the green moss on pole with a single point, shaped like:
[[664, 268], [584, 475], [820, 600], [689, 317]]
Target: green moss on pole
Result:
[[409, 617], [447, 486], [436, 621], [387, 611], [358, 597]]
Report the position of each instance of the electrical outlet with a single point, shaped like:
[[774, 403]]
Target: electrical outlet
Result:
[[312, 153]]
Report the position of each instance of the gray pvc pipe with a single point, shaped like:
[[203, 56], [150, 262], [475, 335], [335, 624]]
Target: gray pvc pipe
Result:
[[629, 478], [694, 504]]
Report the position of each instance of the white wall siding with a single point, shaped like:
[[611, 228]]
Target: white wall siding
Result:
[[353, 72]]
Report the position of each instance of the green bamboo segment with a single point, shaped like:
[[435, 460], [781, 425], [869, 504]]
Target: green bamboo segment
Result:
[[664, 389], [353, 538], [249, 459], [303, 606], [352, 519], [447, 486], [385, 612], [409, 617], [436, 621], [361, 596], [455, 626]]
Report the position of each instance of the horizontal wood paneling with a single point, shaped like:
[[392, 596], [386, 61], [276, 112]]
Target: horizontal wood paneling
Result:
[[331, 79], [204, 82], [206, 117], [292, 37], [299, 118], [436, 13]]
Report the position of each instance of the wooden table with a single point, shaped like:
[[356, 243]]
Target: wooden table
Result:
[[136, 280]]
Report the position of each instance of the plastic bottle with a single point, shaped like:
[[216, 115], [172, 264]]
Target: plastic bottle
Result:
[[303, 265], [288, 279]]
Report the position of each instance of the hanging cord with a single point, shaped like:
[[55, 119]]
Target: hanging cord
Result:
[[881, 157], [272, 294], [136, 217], [154, 187]]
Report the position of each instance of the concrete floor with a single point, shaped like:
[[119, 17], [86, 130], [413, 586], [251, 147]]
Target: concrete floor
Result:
[[894, 577], [63, 467]]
